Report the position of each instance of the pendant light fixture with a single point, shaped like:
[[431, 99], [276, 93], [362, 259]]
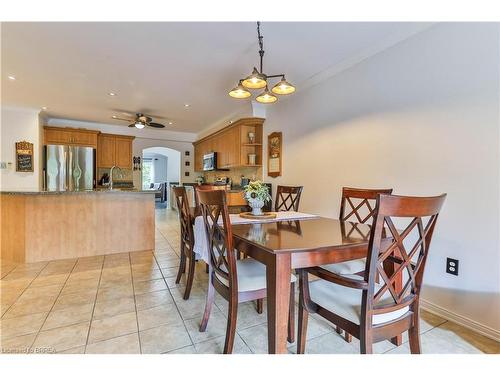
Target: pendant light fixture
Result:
[[258, 80]]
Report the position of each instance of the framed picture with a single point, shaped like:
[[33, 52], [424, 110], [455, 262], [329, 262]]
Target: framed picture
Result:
[[274, 154], [24, 156]]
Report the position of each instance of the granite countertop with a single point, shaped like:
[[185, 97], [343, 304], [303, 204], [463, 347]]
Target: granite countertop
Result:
[[98, 191]]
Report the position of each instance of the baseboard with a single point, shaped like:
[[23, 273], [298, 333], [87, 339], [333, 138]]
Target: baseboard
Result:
[[461, 320]]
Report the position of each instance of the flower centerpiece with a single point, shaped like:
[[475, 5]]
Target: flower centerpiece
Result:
[[257, 194]]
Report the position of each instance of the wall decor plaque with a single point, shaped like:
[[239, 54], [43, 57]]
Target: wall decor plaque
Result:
[[274, 154], [24, 156]]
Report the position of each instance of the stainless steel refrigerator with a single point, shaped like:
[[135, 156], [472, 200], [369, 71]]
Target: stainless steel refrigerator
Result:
[[69, 168]]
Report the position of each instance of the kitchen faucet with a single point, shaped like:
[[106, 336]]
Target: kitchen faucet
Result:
[[111, 176]]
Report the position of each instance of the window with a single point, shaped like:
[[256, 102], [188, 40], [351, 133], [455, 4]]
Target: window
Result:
[[148, 173]]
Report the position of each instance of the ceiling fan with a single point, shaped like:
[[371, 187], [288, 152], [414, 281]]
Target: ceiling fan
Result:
[[140, 121]]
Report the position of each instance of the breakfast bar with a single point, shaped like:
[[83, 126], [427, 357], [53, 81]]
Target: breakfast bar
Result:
[[43, 226]]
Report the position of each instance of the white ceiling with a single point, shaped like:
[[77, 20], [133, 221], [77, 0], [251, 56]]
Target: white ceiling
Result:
[[156, 68]]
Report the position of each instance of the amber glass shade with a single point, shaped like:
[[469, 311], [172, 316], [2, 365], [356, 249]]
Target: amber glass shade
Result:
[[255, 80], [239, 92], [266, 97], [283, 87]]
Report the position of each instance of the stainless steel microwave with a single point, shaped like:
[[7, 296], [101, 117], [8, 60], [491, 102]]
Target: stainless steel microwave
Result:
[[210, 161]]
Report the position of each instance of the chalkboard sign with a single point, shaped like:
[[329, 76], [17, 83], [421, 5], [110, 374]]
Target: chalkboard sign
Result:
[[24, 156]]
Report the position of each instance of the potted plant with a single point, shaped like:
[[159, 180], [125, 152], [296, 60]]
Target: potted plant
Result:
[[257, 194]]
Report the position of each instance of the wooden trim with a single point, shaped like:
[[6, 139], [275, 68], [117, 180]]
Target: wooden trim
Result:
[[72, 129], [117, 135]]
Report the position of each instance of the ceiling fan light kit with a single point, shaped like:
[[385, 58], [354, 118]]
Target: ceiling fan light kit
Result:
[[258, 80], [141, 121]]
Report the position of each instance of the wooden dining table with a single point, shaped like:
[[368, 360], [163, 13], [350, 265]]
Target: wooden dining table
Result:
[[283, 246]]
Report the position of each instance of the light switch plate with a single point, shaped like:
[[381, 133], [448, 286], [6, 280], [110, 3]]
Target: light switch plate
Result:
[[3, 165]]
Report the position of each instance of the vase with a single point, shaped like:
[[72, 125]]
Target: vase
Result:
[[256, 205]]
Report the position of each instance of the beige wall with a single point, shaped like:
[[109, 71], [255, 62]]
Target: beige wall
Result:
[[423, 118]]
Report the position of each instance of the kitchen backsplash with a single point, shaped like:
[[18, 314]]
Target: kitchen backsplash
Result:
[[234, 174], [126, 174]]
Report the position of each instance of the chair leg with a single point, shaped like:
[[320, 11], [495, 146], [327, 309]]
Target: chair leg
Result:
[[414, 333], [291, 315], [260, 306], [208, 304], [206, 268], [347, 337], [231, 326], [190, 277], [182, 265], [302, 329], [366, 342]]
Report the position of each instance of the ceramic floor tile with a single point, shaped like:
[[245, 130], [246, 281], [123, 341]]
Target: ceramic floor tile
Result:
[[112, 307], [22, 325], [216, 346], [115, 292], [142, 287], [192, 308], [28, 306], [63, 338], [147, 275], [107, 328], [148, 300], [127, 344], [164, 338], [17, 345], [48, 280], [331, 343], [69, 316], [67, 300], [77, 350], [216, 327], [159, 315], [186, 350]]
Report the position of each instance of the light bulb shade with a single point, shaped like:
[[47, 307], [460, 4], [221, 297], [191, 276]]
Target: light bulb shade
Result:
[[255, 80], [283, 87], [139, 125], [266, 97], [239, 92]]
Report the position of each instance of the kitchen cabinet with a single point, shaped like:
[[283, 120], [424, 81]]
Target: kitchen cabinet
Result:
[[232, 145], [113, 150], [70, 136]]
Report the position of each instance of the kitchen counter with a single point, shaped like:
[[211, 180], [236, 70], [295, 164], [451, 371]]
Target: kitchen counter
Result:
[[107, 191], [43, 226]]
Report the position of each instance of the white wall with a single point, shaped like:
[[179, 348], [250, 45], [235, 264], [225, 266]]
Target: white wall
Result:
[[172, 163], [19, 124], [423, 118]]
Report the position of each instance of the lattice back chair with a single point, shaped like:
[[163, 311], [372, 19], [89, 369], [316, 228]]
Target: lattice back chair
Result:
[[236, 280], [390, 307], [358, 205], [287, 198], [187, 239]]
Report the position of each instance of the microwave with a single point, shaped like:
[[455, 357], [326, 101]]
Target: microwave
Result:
[[210, 161]]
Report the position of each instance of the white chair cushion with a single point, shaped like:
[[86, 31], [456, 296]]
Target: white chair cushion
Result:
[[347, 268], [346, 302], [251, 275]]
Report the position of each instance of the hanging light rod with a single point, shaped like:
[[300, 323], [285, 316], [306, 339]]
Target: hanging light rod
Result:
[[259, 80]]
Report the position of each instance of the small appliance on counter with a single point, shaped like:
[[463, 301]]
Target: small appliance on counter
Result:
[[244, 181]]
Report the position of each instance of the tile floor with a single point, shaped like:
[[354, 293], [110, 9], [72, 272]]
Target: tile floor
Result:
[[129, 303]]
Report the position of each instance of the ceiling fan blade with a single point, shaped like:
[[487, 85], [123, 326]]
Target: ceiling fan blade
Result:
[[131, 125], [122, 119], [156, 125]]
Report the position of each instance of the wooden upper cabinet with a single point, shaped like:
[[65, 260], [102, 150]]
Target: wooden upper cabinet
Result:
[[231, 144], [70, 136], [114, 150], [106, 151], [123, 152]]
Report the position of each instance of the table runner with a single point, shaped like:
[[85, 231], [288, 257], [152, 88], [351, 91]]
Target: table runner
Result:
[[200, 239]]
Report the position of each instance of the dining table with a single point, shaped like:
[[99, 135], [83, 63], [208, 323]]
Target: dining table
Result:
[[292, 244]]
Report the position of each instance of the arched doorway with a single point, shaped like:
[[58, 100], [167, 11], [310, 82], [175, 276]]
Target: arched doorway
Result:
[[161, 168]]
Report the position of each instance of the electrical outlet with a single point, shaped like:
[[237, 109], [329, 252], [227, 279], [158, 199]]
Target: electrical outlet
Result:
[[3, 165], [452, 266]]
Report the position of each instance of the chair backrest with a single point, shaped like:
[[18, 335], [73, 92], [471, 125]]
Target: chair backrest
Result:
[[400, 254], [358, 205], [287, 198], [219, 233], [187, 236], [205, 188]]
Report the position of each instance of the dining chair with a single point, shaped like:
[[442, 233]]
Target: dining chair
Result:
[[287, 198], [187, 239], [236, 280], [366, 309]]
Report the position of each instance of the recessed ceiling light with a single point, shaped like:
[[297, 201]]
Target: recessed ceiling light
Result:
[[44, 108], [170, 123], [231, 121], [12, 78], [186, 105], [112, 94], [113, 116]]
